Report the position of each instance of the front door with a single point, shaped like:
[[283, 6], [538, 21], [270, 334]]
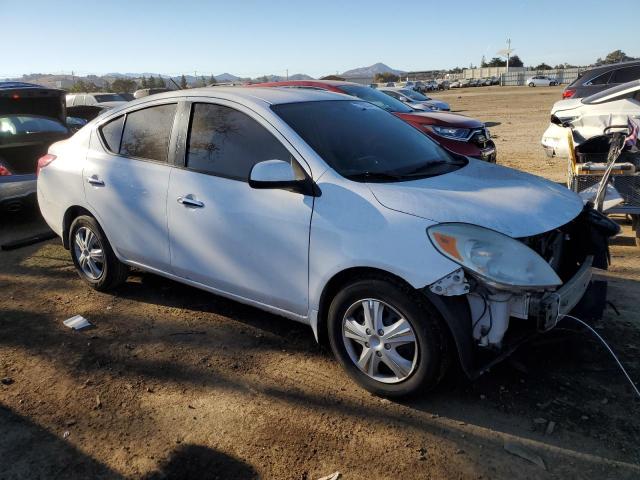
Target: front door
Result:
[[247, 243]]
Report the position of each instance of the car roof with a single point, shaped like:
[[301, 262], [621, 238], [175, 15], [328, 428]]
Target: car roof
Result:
[[270, 96], [23, 85], [307, 83]]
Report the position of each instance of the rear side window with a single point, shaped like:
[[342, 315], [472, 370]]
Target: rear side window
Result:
[[625, 75], [601, 80], [227, 143], [112, 133], [147, 133]]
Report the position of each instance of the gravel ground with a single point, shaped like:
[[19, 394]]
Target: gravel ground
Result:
[[177, 383]]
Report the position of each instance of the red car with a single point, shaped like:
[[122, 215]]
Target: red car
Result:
[[457, 133]]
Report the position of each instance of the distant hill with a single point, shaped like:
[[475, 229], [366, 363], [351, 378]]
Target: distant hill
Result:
[[370, 71]]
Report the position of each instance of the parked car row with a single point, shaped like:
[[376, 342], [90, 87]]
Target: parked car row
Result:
[[326, 203], [475, 82], [457, 133]]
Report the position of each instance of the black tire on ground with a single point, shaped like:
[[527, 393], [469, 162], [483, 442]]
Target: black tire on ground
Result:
[[426, 322], [114, 272], [531, 84]]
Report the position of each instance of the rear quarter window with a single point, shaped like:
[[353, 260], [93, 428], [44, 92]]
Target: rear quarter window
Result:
[[111, 133]]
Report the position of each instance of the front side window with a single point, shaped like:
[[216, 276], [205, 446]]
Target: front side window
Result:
[[364, 143], [147, 133], [109, 97], [228, 143], [625, 75]]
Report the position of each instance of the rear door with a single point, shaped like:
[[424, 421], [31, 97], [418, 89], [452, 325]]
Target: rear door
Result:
[[247, 243], [126, 176]]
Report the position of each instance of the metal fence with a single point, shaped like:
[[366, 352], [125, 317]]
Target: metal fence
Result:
[[519, 77]]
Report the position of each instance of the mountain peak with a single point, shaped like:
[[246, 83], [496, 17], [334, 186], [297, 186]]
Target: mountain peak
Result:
[[371, 71]]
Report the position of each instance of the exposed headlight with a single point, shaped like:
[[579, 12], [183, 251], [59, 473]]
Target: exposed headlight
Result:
[[450, 132], [498, 259]]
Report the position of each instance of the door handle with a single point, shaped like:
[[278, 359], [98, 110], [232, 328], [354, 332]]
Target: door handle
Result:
[[95, 181], [189, 201]]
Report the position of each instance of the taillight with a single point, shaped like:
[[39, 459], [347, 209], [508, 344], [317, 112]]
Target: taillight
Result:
[[44, 161], [4, 171], [568, 93]]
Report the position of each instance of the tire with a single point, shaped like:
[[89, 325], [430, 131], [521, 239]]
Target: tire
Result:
[[531, 84], [102, 272], [422, 363]]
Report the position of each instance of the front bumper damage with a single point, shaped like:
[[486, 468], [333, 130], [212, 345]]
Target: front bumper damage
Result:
[[490, 323]]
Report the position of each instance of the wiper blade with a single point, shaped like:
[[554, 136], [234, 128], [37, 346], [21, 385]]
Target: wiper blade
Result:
[[373, 176]]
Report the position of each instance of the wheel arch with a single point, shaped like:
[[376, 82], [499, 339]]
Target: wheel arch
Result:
[[454, 310], [70, 215]]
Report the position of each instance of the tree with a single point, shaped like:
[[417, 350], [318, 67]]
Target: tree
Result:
[[496, 62], [385, 77], [106, 87], [124, 85], [483, 62], [542, 66], [212, 80], [202, 82], [333, 77], [152, 82], [515, 61], [183, 82], [616, 56], [160, 83], [455, 70], [78, 86], [143, 82]]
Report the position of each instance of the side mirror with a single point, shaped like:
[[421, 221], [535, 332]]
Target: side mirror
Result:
[[278, 174]]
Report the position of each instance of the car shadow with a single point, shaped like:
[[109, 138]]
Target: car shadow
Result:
[[190, 462], [57, 458]]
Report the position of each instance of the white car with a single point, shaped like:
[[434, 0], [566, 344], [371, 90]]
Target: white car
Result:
[[416, 100], [605, 111], [541, 81], [327, 210]]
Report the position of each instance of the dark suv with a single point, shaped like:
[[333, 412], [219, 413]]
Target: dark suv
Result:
[[602, 77]]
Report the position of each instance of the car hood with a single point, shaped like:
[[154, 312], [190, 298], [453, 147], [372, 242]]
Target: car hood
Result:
[[509, 201], [441, 118]]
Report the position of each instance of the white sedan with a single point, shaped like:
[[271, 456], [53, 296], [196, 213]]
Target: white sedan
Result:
[[327, 210], [541, 81], [591, 116]]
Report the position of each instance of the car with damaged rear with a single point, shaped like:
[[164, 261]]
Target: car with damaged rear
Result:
[[330, 211], [32, 117]]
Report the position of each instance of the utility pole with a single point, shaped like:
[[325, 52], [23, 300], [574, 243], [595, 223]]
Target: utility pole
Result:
[[287, 74], [508, 52]]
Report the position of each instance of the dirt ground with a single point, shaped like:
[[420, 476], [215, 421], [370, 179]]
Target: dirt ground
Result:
[[174, 382]]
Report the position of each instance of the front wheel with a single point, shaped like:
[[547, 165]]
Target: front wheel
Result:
[[531, 84], [93, 256], [386, 337]]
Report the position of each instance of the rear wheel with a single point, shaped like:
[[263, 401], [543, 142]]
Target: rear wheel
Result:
[[531, 84], [386, 337], [93, 257]]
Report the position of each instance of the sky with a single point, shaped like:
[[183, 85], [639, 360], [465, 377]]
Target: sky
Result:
[[253, 38]]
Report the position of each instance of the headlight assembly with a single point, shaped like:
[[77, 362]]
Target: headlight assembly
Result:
[[451, 132], [497, 259]]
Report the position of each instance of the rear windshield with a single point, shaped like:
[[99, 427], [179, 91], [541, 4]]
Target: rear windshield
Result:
[[376, 97], [112, 97], [26, 124], [363, 142]]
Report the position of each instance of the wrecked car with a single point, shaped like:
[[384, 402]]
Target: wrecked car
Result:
[[330, 211], [32, 117], [596, 115]]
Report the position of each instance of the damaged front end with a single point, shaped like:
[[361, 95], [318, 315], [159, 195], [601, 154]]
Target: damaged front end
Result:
[[515, 288]]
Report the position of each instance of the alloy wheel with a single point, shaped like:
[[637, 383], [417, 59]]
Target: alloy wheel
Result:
[[89, 253], [380, 341]]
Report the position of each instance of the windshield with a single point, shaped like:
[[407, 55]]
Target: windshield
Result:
[[376, 97], [413, 95], [111, 97], [27, 124], [364, 143]]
